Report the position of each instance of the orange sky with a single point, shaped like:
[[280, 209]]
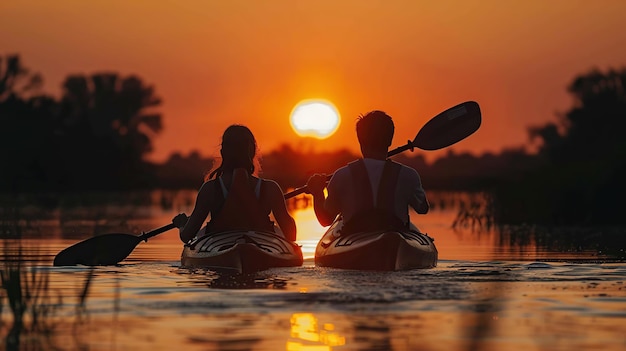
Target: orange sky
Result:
[[219, 62]]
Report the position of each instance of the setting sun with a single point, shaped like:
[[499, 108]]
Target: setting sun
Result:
[[314, 118]]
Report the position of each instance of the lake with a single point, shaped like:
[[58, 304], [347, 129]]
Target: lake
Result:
[[487, 292]]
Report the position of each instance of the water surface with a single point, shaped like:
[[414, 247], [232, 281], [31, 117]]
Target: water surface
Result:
[[483, 295]]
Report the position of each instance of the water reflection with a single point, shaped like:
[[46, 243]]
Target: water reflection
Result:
[[307, 335], [455, 221], [80, 215], [228, 280], [605, 242], [490, 305], [149, 301]]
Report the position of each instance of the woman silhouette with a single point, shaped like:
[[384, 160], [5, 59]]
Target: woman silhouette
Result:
[[234, 198]]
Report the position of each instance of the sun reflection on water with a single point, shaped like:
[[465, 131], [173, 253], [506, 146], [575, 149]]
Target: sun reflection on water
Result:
[[308, 226], [310, 336], [309, 230]]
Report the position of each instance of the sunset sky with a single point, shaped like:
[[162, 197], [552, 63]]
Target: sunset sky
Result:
[[217, 62]]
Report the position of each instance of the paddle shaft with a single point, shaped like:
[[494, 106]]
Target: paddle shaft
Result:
[[155, 232]]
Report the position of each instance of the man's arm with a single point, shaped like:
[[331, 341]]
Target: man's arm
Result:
[[418, 200]]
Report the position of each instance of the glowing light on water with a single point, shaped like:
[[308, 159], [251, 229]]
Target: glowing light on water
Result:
[[305, 327]]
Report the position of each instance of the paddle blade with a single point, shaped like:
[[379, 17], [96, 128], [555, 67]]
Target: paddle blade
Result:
[[102, 250], [449, 127]]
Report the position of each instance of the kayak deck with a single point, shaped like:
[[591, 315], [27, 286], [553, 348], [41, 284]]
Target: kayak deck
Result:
[[376, 250], [241, 252]]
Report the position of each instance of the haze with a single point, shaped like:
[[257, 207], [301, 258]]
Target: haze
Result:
[[215, 63]]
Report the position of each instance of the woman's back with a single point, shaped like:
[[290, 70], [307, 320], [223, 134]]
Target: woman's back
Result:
[[234, 197], [239, 202]]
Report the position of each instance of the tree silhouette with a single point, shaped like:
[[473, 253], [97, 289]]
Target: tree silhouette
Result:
[[24, 128], [15, 79], [591, 130], [95, 137], [582, 178], [106, 122]]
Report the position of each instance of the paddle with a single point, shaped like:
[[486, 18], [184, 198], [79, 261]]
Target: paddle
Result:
[[106, 249], [443, 130]]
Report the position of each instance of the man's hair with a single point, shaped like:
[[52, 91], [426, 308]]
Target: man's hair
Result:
[[375, 129]]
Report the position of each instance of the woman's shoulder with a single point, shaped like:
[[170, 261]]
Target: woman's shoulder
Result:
[[210, 182], [270, 186], [208, 185]]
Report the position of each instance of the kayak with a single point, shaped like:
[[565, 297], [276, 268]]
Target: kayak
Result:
[[382, 250], [241, 252]]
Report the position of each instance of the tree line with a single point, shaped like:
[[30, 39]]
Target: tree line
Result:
[[579, 178], [97, 134]]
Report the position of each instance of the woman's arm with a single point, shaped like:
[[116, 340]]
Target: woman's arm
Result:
[[279, 209], [199, 214], [315, 186]]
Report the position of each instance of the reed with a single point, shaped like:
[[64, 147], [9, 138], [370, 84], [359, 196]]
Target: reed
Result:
[[479, 213], [474, 212], [26, 292]]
